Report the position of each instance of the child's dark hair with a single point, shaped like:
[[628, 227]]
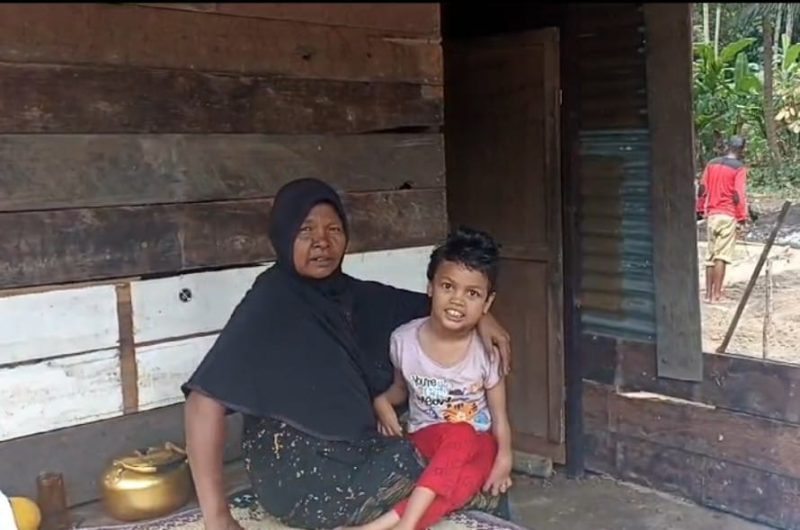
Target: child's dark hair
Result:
[[474, 249]]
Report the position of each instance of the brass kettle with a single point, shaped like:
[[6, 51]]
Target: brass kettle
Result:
[[148, 484]]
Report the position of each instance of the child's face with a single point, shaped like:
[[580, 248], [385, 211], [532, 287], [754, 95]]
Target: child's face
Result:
[[459, 296]]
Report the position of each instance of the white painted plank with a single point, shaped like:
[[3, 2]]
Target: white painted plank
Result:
[[59, 393], [47, 324], [403, 268], [159, 313], [165, 366]]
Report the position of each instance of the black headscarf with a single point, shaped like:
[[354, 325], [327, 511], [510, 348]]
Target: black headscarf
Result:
[[310, 352]]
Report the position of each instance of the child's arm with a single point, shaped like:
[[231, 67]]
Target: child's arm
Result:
[[388, 423], [500, 478], [397, 394]]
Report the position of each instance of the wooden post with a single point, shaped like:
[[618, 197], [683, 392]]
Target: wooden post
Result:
[[668, 59], [767, 309], [753, 277], [129, 372]]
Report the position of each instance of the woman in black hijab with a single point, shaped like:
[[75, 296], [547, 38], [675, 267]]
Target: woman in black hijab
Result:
[[302, 357]]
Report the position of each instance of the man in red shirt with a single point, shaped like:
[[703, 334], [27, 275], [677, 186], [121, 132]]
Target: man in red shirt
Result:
[[722, 200]]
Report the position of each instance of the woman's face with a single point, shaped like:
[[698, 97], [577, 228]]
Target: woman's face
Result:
[[320, 243]]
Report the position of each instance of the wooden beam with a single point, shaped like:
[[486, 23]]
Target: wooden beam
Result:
[[77, 171], [421, 19], [82, 244], [129, 371], [669, 96], [762, 388], [124, 35], [81, 99], [574, 361], [82, 453]]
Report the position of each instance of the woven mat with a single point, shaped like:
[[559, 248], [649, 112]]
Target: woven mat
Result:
[[252, 517]]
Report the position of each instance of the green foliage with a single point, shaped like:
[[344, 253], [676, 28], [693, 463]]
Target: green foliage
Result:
[[729, 91]]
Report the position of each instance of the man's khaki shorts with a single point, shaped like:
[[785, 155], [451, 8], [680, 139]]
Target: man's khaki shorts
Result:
[[721, 238]]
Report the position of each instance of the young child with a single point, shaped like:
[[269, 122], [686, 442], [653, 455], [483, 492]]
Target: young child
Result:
[[457, 402]]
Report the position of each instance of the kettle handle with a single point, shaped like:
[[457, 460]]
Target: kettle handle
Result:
[[144, 468]]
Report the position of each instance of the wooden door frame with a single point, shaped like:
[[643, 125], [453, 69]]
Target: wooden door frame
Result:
[[571, 267], [553, 446]]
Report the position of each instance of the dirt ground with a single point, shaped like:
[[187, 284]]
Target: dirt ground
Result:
[[783, 333], [783, 341], [600, 503]]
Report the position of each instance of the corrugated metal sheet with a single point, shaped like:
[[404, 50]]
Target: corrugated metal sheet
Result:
[[616, 289], [616, 284]]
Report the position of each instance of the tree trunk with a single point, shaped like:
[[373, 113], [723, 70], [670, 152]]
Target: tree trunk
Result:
[[769, 107], [792, 13], [706, 32], [716, 29]]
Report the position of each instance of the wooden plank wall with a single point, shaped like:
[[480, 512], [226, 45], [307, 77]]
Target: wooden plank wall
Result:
[[140, 148], [731, 439]]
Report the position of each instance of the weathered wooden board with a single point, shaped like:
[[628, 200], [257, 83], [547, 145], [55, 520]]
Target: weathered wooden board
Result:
[[41, 325], [191, 304], [84, 244], [701, 469], [669, 71], [122, 35], [412, 19], [760, 443], [165, 366], [755, 494], [205, 7], [753, 386], [744, 491], [58, 393], [68, 171], [78, 99], [751, 493], [83, 452]]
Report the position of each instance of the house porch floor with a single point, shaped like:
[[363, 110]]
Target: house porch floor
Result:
[[559, 503]]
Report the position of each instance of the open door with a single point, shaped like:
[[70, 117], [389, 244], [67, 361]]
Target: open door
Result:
[[502, 107]]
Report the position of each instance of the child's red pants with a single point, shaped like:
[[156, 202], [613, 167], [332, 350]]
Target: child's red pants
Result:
[[460, 460]]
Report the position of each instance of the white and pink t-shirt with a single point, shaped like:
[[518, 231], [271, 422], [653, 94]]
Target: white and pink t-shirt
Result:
[[442, 394]]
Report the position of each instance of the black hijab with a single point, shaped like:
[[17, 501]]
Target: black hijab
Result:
[[309, 352]]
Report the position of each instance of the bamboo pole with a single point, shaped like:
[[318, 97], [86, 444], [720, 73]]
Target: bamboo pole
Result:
[[767, 310], [753, 277]]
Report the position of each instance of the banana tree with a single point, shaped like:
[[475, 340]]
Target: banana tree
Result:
[[727, 93]]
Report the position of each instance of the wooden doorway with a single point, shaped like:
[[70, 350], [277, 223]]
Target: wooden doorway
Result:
[[502, 109]]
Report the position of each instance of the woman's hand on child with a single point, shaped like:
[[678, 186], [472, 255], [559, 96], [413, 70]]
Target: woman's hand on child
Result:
[[496, 340], [499, 480], [388, 423]]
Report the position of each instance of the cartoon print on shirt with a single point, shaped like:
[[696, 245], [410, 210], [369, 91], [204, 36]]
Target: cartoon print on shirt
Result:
[[438, 400], [461, 412], [431, 394]]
